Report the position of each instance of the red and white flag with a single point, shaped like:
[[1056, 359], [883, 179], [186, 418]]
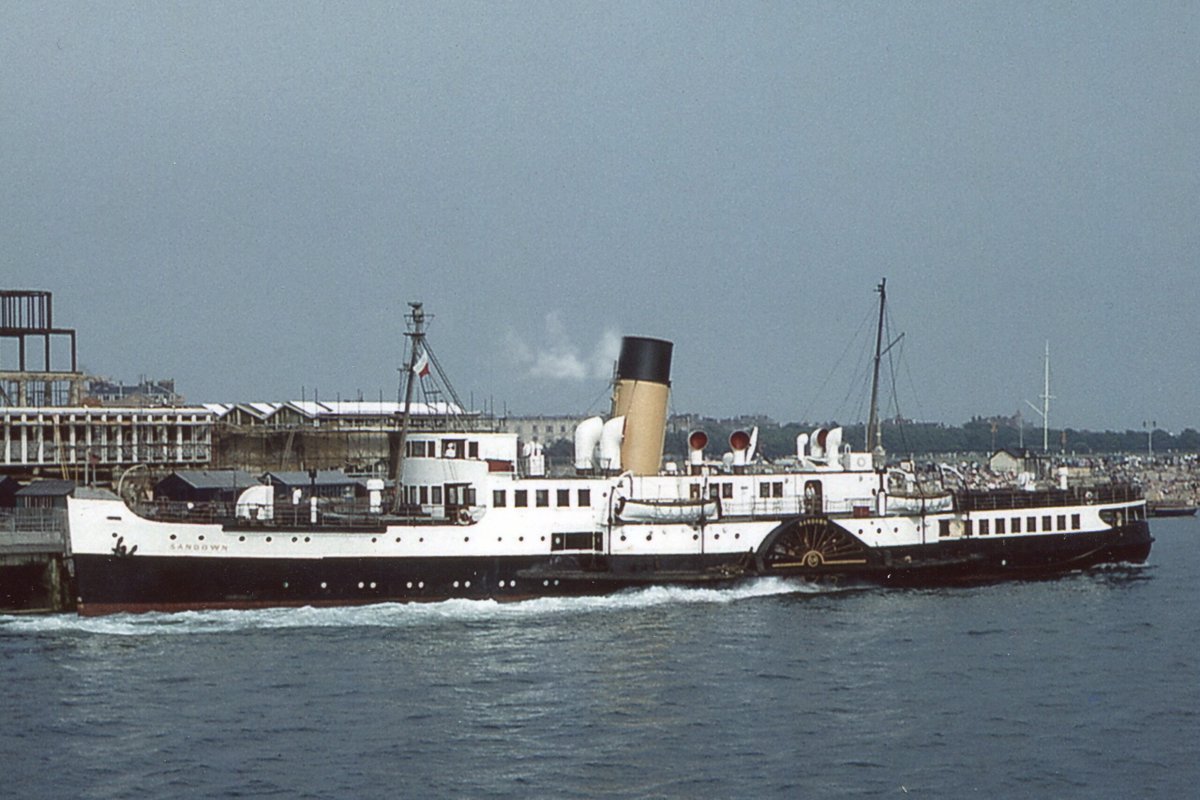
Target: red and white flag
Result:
[[420, 367]]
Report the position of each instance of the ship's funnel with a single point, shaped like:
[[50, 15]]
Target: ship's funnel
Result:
[[643, 386]]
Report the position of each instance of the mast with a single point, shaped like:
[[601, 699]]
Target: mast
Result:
[[1046, 404], [874, 431], [416, 332]]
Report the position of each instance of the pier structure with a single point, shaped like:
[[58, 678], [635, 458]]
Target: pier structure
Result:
[[35, 573], [84, 443]]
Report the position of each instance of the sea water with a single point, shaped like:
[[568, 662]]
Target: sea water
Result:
[[1085, 685]]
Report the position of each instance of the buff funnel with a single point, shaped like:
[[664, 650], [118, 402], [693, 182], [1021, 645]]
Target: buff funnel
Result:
[[640, 394]]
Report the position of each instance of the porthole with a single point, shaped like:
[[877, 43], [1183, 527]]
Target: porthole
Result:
[[622, 537], [737, 536], [324, 585], [240, 538], [716, 536], [456, 584], [466, 538], [422, 539], [695, 536], [420, 584], [545, 583], [501, 584], [295, 539], [467, 584], [361, 584], [374, 540], [372, 584], [201, 537], [397, 540], [268, 538], [285, 584], [520, 538], [115, 535], [556, 583], [408, 585], [307, 539], [172, 536], [649, 536]]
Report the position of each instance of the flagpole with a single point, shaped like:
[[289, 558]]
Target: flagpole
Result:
[[416, 319]]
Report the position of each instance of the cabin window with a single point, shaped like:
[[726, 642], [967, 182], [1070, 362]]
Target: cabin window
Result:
[[473, 449], [764, 490], [435, 495], [1016, 524], [424, 495], [543, 498], [470, 495], [520, 498], [1000, 526], [968, 527], [694, 491], [1075, 524], [499, 498], [1046, 526], [984, 527], [714, 490], [564, 498], [1062, 522], [943, 528], [1031, 524], [585, 497], [777, 489], [727, 491]]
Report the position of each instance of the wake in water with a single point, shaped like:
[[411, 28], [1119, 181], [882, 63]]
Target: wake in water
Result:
[[399, 615]]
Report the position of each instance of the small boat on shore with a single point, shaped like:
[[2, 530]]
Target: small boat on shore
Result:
[[1170, 508]]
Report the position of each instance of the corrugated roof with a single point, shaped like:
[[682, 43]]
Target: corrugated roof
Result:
[[325, 477], [47, 488], [216, 478]]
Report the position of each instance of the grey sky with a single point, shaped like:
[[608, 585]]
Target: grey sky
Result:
[[243, 196]]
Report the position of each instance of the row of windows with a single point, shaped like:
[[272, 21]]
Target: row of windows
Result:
[[541, 498], [724, 491], [1002, 525], [451, 448], [455, 495]]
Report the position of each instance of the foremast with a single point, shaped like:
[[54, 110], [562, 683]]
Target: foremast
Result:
[[874, 431]]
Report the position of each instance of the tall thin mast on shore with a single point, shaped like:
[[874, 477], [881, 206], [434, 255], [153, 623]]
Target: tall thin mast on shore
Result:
[[1044, 411]]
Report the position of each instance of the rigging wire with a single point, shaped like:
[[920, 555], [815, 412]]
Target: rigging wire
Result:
[[804, 417]]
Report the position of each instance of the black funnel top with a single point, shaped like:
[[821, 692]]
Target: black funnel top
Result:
[[645, 359]]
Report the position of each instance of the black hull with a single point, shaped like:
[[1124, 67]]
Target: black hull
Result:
[[133, 583]]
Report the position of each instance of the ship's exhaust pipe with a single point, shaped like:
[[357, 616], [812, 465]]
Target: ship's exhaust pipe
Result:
[[640, 394]]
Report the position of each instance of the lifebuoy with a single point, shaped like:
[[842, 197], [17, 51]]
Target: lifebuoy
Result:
[[464, 516]]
